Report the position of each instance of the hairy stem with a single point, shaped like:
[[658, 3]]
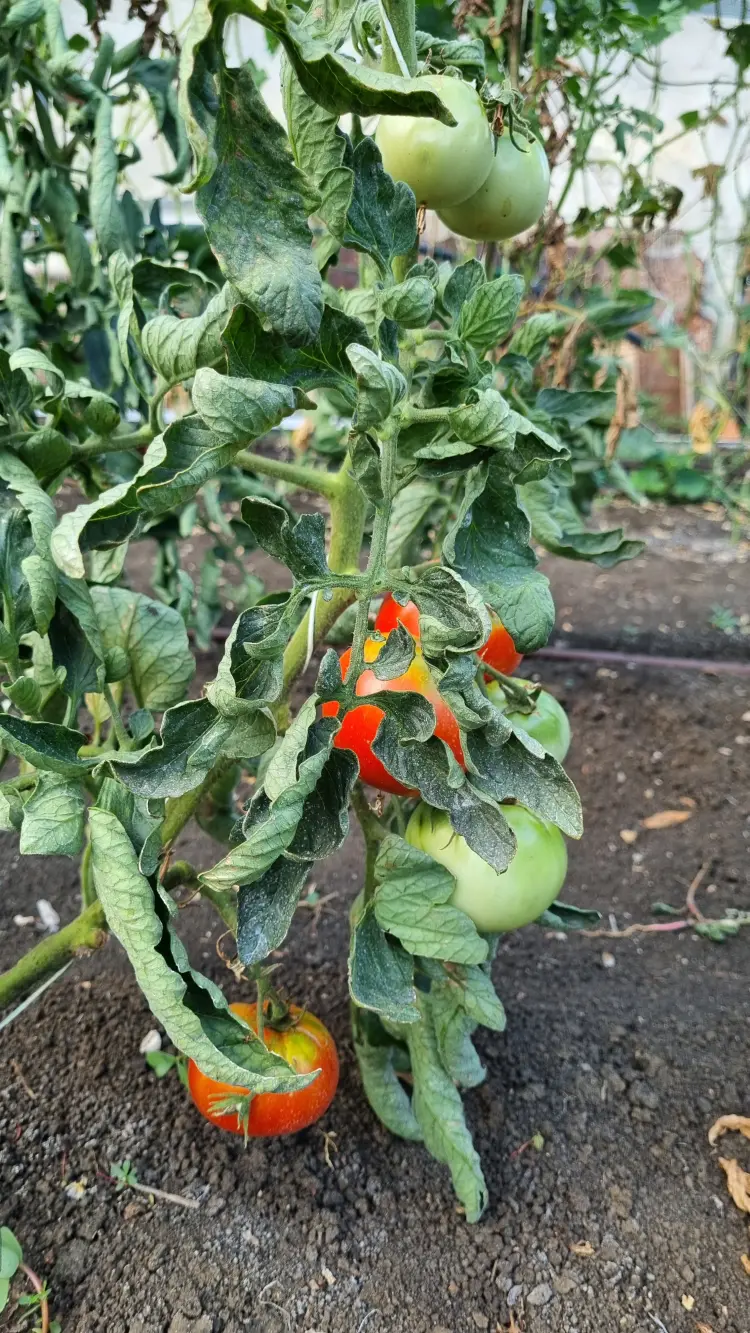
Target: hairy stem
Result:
[[88, 931], [372, 832], [307, 478], [398, 17], [348, 510]]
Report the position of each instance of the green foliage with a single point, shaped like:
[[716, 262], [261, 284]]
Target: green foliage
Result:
[[455, 456]]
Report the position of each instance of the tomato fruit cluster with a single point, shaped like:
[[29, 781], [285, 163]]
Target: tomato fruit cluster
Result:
[[305, 1044], [499, 651], [496, 902], [483, 187], [360, 725]]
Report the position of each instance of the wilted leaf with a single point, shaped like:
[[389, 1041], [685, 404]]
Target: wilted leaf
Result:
[[738, 1182], [583, 1249], [726, 1123], [666, 818]]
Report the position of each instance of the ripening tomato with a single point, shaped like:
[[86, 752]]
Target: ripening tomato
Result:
[[512, 197], [360, 725], [548, 723], [306, 1045], [496, 902], [499, 651], [443, 164]]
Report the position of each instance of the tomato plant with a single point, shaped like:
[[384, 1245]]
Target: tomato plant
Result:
[[432, 479], [442, 164], [495, 901], [512, 196], [306, 1044]]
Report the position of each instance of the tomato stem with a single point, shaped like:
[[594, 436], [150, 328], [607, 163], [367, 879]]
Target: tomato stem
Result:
[[398, 18]]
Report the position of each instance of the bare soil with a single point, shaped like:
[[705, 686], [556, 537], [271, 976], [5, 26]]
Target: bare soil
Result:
[[619, 1052]]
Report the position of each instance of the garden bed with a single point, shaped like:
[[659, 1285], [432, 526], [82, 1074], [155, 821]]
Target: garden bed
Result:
[[619, 1053]]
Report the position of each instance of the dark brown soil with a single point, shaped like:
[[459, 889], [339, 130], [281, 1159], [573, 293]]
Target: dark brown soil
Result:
[[621, 1053]]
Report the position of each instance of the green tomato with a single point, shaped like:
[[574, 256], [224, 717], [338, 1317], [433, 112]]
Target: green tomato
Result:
[[512, 197], [443, 164], [548, 723], [496, 902]]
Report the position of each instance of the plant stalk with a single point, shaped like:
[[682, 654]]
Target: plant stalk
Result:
[[399, 18], [87, 931]]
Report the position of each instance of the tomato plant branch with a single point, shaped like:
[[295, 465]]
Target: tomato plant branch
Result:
[[372, 832], [87, 931], [398, 31], [307, 478], [348, 510], [41, 1292]]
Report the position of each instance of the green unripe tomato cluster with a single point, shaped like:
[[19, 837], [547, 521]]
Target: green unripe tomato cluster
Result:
[[548, 723], [443, 164], [496, 902], [484, 188]]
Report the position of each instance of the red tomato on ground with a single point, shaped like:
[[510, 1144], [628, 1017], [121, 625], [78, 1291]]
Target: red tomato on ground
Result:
[[359, 728], [306, 1044], [498, 652]]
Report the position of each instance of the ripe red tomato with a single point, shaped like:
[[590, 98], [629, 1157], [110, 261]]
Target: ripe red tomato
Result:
[[360, 725], [498, 652], [306, 1044]]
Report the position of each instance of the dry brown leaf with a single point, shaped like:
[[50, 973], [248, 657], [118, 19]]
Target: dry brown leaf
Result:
[[666, 818], [725, 1123], [738, 1182], [583, 1248], [745, 1261], [704, 1328]]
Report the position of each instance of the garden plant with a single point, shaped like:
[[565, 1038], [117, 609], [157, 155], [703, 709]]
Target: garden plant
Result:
[[441, 461]]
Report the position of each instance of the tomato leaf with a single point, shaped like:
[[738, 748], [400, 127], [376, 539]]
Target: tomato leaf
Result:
[[410, 303], [411, 902], [486, 423], [489, 545], [463, 282], [489, 313], [381, 972], [452, 614], [321, 364], [562, 916], [321, 150], [366, 466], [154, 639], [557, 525], [453, 1032], [266, 907], [382, 218], [194, 736], [191, 1009], [275, 812], [105, 209], [238, 411], [301, 546], [437, 1106], [576, 407], [409, 512], [378, 1058], [254, 177], [49, 747], [53, 818], [396, 655], [34, 557], [537, 781], [176, 347], [380, 386]]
